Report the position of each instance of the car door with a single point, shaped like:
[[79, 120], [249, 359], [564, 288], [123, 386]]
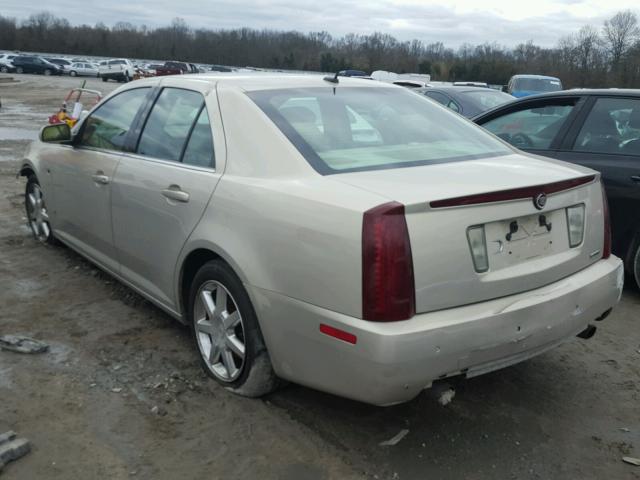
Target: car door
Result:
[[607, 139], [537, 126], [82, 177], [161, 190]]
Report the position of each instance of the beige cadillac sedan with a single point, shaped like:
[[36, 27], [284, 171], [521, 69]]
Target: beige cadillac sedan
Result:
[[346, 235]]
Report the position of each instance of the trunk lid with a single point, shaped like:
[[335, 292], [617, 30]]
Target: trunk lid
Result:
[[526, 247]]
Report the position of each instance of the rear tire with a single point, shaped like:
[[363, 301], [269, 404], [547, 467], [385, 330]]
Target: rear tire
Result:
[[47, 72], [19, 70], [226, 332]]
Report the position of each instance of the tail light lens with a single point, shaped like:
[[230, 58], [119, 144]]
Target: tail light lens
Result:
[[606, 247], [575, 224], [478, 247], [388, 291]]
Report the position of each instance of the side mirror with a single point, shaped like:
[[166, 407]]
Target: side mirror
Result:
[[57, 133]]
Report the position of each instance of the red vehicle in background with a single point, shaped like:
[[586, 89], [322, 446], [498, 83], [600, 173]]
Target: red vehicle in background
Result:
[[176, 68]]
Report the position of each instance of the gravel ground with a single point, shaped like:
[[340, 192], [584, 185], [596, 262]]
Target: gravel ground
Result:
[[120, 394]]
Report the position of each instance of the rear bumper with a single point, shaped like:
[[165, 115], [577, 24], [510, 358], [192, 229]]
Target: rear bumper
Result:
[[393, 362]]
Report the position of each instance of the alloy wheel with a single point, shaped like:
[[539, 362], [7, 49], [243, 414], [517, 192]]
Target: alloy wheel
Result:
[[219, 331], [37, 212]]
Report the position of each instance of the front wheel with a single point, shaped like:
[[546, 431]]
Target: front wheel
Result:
[[72, 73], [47, 72], [4, 69], [226, 332], [37, 214], [19, 70]]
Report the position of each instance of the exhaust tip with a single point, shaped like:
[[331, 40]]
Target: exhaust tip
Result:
[[588, 332], [604, 315]]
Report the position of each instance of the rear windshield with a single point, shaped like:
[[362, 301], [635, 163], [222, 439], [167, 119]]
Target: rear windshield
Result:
[[537, 85], [347, 129]]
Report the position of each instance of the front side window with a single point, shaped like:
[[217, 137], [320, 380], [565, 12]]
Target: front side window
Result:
[[531, 128], [368, 128], [438, 97], [108, 125], [169, 123], [613, 126], [537, 85]]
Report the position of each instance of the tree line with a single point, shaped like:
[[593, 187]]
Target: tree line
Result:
[[604, 56]]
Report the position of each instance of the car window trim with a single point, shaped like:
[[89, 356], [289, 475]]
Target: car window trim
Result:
[[173, 163], [147, 114]]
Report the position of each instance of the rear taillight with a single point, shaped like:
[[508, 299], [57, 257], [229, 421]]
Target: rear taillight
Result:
[[606, 247], [388, 292]]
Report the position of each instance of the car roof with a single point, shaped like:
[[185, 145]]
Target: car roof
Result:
[[526, 75], [250, 81], [580, 92], [456, 88]]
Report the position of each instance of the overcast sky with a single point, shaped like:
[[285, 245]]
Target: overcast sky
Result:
[[450, 21]]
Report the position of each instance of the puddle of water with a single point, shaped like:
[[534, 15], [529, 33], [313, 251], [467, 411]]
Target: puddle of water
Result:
[[12, 133]]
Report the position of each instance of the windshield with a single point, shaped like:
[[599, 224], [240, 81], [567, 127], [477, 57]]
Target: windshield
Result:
[[537, 85], [353, 129], [485, 98]]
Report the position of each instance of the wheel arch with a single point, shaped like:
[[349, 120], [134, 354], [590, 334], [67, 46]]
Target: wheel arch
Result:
[[189, 265]]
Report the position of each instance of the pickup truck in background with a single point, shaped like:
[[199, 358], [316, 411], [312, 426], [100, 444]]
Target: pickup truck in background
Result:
[[119, 69], [176, 68]]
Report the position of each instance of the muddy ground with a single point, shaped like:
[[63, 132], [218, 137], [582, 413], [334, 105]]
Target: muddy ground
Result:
[[120, 394]]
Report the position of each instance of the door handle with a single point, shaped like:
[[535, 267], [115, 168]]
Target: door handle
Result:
[[175, 193], [100, 178], [635, 178]]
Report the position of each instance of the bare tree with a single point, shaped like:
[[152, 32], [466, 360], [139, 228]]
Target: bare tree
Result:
[[620, 33]]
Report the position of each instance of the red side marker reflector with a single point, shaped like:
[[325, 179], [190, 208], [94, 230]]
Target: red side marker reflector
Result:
[[513, 194], [339, 334]]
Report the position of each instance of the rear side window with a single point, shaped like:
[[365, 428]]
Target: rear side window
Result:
[[199, 150], [613, 126], [108, 125], [169, 124], [531, 128], [438, 97]]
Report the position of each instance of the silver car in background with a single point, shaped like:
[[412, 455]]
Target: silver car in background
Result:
[[83, 69], [343, 234]]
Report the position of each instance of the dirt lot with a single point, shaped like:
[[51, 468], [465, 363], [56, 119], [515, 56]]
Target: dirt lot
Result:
[[120, 394]]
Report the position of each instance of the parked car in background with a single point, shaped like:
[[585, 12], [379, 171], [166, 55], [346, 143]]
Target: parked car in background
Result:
[[471, 84], [411, 83], [599, 129], [524, 85], [413, 248], [176, 68], [352, 73], [467, 101], [119, 69], [6, 64], [34, 64], [83, 69], [61, 62], [221, 68]]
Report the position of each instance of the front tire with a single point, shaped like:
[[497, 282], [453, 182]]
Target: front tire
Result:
[[47, 72], [226, 332], [73, 73], [19, 70], [37, 214], [4, 69]]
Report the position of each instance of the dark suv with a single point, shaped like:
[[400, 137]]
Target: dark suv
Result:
[[29, 64]]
